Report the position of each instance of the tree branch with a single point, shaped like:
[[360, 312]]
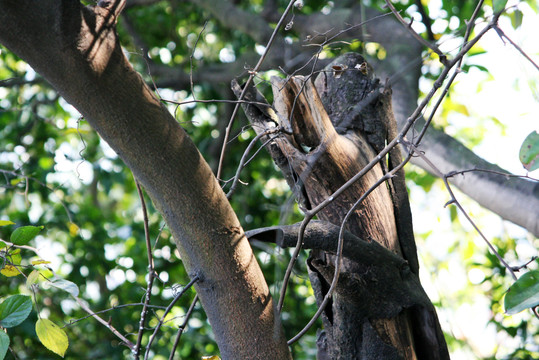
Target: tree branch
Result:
[[386, 277], [323, 235], [76, 49]]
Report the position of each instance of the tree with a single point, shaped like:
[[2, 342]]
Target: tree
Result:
[[82, 58]]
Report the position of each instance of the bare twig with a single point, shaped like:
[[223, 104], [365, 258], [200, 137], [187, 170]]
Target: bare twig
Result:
[[308, 217], [16, 81], [454, 200], [340, 243], [182, 327], [252, 74], [507, 175], [167, 310], [105, 323], [515, 45], [151, 273], [426, 19], [433, 47], [398, 139], [243, 161], [51, 189], [192, 56], [114, 307], [215, 101]]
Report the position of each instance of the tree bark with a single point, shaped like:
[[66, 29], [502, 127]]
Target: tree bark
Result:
[[324, 145], [76, 49], [514, 199]]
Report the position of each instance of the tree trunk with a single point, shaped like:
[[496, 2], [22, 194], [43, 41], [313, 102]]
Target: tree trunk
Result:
[[76, 49], [335, 127]]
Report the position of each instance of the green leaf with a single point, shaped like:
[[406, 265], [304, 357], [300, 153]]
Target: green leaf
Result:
[[516, 18], [22, 235], [14, 310], [15, 257], [14, 182], [6, 222], [52, 337], [498, 5], [523, 294], [529, 152], [65, 285], [476, 50], [32, 278], [4, 344]]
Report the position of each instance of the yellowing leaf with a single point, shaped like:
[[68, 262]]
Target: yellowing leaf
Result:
[[73, 229], [6, 222], [211, 357], [40, 261], [52, 337], [10, 271], [32, 278]]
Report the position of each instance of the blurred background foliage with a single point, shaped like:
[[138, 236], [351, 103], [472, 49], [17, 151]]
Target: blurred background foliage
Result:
[[57, 172]]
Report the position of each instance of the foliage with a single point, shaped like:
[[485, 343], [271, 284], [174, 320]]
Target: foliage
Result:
[[59, 173], [16, 308], [523, 294], [54, 338], [529, 152]]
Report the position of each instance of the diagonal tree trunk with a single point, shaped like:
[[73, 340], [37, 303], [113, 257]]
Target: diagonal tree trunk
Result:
[[335, 127], [77, 50]]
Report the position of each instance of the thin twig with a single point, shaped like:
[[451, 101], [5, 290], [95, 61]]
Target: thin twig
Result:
[[52, 190], [340, 244], [167, 310], [151, 273], [445, 91], [507, 175], [426, 19], [182, 327], [515, 45], [74, 321], [454, 200], [433, 47], [192, 56], [252, 74], [105, 323], [410, 121], [216, 101], [244, 159], [308, 217]]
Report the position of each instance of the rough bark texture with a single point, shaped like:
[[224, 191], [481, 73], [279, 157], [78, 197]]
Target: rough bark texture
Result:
[[514, 199], [333, 130], [76, 49]]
